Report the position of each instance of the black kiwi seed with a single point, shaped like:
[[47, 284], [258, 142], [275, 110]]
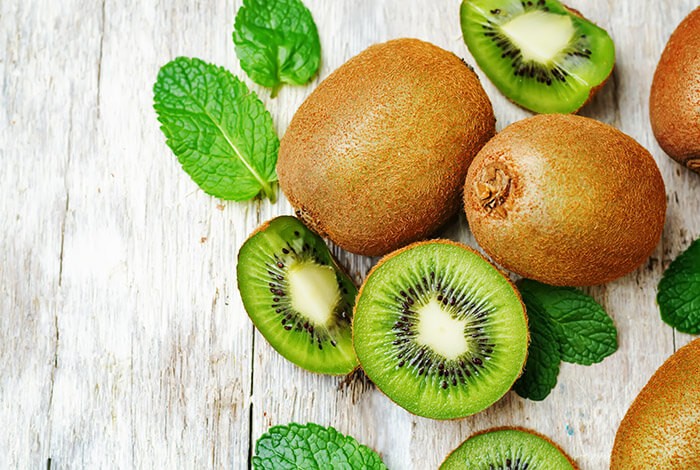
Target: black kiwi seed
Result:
[[399, 342], [291, 319], [267, 268], [535, 70], [425, 362]]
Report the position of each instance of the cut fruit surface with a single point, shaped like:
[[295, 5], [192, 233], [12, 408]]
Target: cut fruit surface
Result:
[[440, 330], [297, 297], [511, 449], [540, 54]]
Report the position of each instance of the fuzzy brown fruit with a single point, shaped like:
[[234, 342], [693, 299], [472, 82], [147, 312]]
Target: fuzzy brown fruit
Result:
[[375, 158], [661, 430], [674, 104], [565, 200]]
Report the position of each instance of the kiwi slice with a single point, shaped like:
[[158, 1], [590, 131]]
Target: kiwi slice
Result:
[[440, 330], [508, 449], [540, 54], [297, 297]]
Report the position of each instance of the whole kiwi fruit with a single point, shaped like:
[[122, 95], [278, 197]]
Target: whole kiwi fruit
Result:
[[376, 156], [674, 104], [565, 200], [661, 430]]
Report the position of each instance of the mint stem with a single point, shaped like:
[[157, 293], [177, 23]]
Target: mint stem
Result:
[[270, 191]]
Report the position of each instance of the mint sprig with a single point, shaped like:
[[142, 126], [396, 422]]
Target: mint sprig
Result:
[[679, 291], [277, 42], [312, 446], [574, 325], [543, 359], [219, 130]]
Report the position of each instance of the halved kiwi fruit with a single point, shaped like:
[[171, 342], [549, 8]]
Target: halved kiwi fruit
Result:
[[440, 330], [539, 53], [508, 449], [297, 297]]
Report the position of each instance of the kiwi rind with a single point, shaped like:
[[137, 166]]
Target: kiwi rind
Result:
[[577, 201], [375, 157], [321, 349], [674, 102], [447, 464], [590, 57], [425, 405], [661, 429]]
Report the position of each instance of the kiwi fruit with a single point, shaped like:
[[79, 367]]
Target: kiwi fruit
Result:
[[540, 54], [661, 430], [508, 449], [297, 296], [674, 104], [565, 200], [376, 156], [440, 330]]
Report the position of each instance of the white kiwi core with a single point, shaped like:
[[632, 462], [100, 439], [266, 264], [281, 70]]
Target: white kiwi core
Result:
[[440, 332], [314, 291], [539, 35]]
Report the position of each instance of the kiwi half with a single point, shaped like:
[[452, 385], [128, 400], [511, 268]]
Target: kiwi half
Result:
[[440, 330], [297, 297], [540, 54], [508, 449]]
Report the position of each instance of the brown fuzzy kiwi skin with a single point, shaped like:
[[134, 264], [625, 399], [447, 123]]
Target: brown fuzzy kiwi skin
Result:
[[376, 156], [661, 429], [565, 200], [674, 103], [444, 242], [516, 428]]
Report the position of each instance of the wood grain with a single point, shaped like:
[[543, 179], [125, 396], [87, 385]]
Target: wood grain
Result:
[[123, 341]]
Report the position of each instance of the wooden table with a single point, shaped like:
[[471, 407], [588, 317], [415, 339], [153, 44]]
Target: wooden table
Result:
[[123, 341]]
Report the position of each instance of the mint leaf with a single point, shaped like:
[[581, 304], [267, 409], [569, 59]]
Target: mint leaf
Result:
[[679, 291], [277, 42], [312, 446], [543, 360], [585, 332], [220, 131]]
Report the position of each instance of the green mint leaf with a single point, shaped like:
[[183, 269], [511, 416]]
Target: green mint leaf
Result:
[[585, 332], [679, 291], [543, 360], [277, 42], [312, 446], [219, 130]]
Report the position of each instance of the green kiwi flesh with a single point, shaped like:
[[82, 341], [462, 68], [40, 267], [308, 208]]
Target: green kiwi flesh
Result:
[[297, 297], [440, 330], [507, 449], [540, 54]]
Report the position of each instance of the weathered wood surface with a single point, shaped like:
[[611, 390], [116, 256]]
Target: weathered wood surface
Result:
[[123, 342]]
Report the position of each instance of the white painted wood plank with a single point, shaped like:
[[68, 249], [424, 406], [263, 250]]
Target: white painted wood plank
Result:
[[35, 147], [141, 356]]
